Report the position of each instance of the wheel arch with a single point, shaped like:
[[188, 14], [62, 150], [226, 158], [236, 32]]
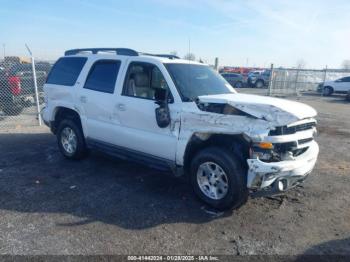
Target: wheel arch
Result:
[[260, 80], [61, 113], [330, 87], [233, 142]]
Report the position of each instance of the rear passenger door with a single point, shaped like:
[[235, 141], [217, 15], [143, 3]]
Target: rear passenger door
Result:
[[96, 98]]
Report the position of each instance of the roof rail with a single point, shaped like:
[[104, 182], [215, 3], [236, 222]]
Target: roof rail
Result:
[[118, 51], [162, 55]]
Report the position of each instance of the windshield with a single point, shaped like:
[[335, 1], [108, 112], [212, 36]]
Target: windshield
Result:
[[197, 80]]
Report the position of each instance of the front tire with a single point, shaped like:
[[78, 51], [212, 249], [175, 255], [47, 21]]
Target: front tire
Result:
[[239, 84], [71, 140], [218, 178], [259, 84], [327, 91]]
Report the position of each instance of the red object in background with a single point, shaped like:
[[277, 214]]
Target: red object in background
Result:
[[239, 70], [15, 85]]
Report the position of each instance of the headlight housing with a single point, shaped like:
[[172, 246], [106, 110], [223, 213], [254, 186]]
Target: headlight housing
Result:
[[263, 151]]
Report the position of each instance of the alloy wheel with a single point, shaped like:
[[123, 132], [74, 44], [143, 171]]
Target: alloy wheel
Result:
[[69, 140], [212, 180]]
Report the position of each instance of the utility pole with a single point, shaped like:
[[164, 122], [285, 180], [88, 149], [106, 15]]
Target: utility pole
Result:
[[271, 81], [216, 64]]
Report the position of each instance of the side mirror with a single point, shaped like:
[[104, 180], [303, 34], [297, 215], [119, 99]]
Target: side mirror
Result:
[[162, 112], [163, 116]]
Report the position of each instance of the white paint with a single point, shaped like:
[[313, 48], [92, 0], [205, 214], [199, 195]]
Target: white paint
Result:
[[134, 125], [298, 167], [275, 110], [339, 85]]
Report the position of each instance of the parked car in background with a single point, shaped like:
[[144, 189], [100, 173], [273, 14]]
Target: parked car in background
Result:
[[17, 89], [341, 85], [235, 80], [259, 78]]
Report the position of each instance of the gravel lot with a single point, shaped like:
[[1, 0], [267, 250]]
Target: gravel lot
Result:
[[101, 205]]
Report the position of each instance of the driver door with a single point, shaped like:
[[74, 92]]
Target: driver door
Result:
[[136, 109]]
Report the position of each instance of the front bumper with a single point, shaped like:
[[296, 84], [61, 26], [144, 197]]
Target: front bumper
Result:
[[262, 175]]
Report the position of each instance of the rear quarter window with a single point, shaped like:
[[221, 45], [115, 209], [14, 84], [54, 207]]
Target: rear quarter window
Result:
[[102, 76], [66, 71]]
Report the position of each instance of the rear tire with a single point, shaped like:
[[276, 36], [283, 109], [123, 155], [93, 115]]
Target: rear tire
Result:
[[70, 139], [214, 162]]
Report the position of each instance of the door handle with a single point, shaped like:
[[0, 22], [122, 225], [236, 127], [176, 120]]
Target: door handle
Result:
[[83, 99], [121, 107]]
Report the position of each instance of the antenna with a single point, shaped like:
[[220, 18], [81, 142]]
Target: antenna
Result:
[[189, 46], [30, 52], [189, 61]]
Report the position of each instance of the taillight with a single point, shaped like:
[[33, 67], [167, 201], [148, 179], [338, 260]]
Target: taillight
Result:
[[15, 85]]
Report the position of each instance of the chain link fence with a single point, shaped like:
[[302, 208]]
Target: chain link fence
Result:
[[296, 82], [21, 88], [21, 91]]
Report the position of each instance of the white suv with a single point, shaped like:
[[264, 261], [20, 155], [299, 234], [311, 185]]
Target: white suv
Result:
[[181, 116], [341, 85]]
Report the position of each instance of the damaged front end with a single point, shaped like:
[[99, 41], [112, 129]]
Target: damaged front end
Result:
[[286, 162], [283, 151]]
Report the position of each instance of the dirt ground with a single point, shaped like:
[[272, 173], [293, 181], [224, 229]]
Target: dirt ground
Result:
[[101, 205]]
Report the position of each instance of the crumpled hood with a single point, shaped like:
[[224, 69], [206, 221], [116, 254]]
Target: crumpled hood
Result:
[[277, 111]]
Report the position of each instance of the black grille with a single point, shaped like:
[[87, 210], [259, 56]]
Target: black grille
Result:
[[304, 141], [284, 130], [298, 152]]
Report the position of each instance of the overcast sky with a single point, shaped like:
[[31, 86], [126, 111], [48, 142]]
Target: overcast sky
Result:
[[241, 32]]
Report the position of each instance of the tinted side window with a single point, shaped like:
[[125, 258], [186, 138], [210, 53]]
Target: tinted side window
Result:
[[346, 79], [66, 71], [102, 76]]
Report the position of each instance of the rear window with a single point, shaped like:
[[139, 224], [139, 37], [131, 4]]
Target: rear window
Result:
[[102, 76], [66, 71]]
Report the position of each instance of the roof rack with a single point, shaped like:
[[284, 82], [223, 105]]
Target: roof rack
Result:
[[162, 55], [118, 51]]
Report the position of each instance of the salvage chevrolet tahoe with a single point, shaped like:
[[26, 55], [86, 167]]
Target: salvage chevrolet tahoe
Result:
[[182, 116]]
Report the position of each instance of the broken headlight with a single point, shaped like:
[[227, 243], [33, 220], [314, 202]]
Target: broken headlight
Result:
[[264, 151]]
